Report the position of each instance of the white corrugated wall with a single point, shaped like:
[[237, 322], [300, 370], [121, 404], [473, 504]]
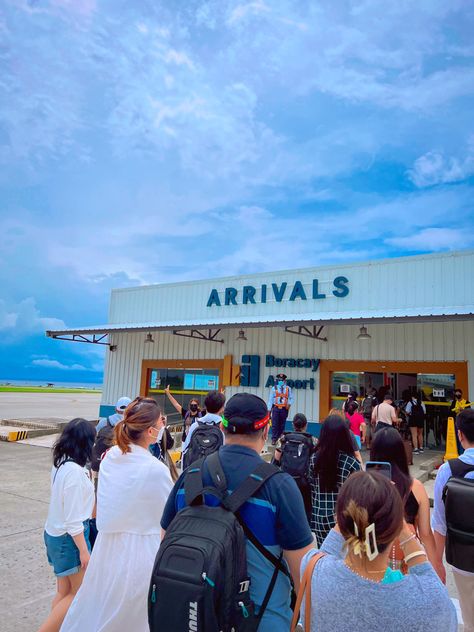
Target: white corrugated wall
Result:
[[437, 341]]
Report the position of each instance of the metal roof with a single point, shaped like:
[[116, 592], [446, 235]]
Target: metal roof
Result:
[[381, 317], [421, 288]]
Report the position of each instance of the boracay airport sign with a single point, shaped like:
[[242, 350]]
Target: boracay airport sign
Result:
[[249, 294]]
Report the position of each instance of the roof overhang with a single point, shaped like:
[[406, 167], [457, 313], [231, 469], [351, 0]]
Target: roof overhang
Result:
[[97, 330]]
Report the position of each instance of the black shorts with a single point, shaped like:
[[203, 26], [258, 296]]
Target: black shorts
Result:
[[416, 423]]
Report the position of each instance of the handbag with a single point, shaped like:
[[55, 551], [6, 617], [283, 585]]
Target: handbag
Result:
[[305, 587]]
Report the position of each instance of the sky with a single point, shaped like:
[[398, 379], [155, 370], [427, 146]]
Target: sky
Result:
[[151, 141]]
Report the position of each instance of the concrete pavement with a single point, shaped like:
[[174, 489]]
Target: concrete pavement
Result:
[[27, 583], [63, 406]]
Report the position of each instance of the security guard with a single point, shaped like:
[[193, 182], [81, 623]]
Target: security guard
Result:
[[279, 402]]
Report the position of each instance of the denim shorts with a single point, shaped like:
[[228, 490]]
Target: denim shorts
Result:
[[63, 554]]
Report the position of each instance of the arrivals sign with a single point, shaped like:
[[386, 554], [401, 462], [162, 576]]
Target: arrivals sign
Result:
[[249, 294]]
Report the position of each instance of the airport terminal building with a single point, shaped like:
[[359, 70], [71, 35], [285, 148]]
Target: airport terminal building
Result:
[[398, 324]]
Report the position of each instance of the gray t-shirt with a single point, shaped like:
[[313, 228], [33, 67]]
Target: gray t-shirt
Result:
[[342, 600]]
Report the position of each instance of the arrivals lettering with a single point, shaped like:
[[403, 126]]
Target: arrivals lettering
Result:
[[252, 295]]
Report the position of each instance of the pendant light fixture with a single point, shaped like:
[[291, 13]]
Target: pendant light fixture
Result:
[[149, 338], [241, 335], [363, 334]]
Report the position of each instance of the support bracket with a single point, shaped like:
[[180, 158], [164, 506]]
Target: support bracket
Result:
[[210, 336], [307, 332], [94, 339]]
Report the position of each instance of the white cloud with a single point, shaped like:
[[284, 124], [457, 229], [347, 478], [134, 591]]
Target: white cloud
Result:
[[55, 364], [242, 11], [435, 168], [433, 239], [24, 318]]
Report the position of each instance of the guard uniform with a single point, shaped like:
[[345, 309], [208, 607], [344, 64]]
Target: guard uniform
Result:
[[279, 402]]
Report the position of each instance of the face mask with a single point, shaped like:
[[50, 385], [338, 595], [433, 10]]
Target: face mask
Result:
[[193, 407], [155, 439], [458, 395], [280, 382]]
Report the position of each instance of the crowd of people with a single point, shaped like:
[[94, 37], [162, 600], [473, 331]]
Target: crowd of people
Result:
[[126, 540]]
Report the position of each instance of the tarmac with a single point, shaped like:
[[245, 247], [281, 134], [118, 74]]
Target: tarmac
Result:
[[27, 584], [60, 406]]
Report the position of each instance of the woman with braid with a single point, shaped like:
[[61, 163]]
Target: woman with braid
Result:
[[352, 584]]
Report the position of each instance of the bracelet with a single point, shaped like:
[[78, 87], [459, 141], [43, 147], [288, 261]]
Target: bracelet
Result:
[[412, 537], [412, 555]]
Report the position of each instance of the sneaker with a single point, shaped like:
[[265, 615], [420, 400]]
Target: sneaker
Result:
[[416, 451], [422, 449]]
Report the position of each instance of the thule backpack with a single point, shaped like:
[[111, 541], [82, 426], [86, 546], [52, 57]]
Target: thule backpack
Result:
[[200, 580], [458, 497], [296, 450], [206, 439]]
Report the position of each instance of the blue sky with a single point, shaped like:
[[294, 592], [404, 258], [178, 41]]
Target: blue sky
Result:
[[148, 142]]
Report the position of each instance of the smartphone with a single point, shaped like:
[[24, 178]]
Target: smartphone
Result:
[[383, 467]]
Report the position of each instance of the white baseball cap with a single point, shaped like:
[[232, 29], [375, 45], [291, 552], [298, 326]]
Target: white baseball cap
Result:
[[122, 403]]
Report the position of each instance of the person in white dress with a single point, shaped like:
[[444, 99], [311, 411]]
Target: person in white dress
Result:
[[66, 532], [132, 492]]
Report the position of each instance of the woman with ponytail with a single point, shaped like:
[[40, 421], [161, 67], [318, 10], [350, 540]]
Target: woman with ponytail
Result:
[[351, 584], [132, 492]]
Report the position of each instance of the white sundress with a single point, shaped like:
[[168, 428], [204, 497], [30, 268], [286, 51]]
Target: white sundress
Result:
[[133, 489]]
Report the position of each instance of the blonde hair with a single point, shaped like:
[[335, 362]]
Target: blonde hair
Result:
[[139, 415], [337, 411]]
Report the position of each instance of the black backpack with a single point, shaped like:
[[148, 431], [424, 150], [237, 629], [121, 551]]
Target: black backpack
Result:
[[103, 441], [458, 498], [206, 439], [199, 580], [367, 405], [296, 450], [417, 412]]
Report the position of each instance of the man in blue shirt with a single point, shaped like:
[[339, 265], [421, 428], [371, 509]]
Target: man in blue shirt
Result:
[[275, 515], [464, 580], [279, 402]]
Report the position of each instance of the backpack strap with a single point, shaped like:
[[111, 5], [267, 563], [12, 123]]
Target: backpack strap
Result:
[[193, 486], [246, 490], [459, 469], [250, 486], [68, 460]]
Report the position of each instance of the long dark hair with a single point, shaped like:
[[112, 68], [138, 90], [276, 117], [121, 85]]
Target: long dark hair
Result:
[[387, 445], [334, 439], [75, 443]]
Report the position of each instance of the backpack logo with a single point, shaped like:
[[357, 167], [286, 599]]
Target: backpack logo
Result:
[[193, 616]]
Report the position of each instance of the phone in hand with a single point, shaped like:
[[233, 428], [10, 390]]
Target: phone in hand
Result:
[[382, 467]]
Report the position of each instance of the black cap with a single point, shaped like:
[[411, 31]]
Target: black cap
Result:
[[245, 413], [281, 376]]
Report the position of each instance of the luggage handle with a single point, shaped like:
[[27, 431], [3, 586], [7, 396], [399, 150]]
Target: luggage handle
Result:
[[305, 587]]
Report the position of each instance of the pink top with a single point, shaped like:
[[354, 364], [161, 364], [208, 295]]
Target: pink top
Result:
[[355, 422]]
